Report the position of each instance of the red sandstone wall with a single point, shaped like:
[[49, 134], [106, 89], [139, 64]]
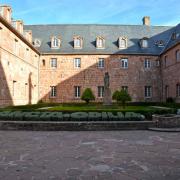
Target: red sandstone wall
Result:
[[18, 70], [170, 72], [65, 76]]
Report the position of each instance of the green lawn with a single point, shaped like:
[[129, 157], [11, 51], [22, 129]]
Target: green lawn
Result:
[[98, 107], [80, 107], [143, 108]]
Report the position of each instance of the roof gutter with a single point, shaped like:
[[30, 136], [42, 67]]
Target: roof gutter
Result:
[[20, 36]]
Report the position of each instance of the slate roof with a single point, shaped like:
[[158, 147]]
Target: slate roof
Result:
[[111, 33], [172, 41]]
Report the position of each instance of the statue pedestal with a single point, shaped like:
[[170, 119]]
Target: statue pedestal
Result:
[[107, 101]]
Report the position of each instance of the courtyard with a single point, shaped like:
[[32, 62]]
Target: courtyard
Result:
[[90, 155]]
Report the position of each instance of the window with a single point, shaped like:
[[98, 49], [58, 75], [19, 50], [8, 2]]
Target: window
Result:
[[178, 55], [53, 91], [167, 91], [101, 63], [124, 63], [165, 61], [157, 63], [100, 91], [27, 54], [77, 63], [54, 63], [77, 91], [13, 88], [148, 91], [55, 42], [178, 90], [160, 43], [100, 42], [147, 63], [144, 42], [122, 42], [125, 88], [37, 43], [43, 62], [16, 47], [78, 42]]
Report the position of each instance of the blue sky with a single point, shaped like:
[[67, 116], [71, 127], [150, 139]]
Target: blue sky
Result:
[[162, 12]]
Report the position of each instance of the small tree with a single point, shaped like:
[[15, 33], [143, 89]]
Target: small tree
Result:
[[121, 96], [87, 95]]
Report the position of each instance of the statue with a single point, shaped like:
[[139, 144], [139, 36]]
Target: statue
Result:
[[107, 91], [106, 80]]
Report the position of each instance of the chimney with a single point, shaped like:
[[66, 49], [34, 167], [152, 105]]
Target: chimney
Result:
[[18, 24], [6, 12], [28, 35], [146, 20]]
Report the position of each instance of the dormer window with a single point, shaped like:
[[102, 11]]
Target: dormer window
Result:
[[122, 43], [55, 42], [160, 43], [100, 42], [144, 42], [37, 43], [78, 41]]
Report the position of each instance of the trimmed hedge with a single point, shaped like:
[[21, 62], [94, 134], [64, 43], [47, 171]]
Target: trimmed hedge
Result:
[[77, 116]]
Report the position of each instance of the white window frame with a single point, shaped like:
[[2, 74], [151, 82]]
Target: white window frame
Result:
[[177, 90], [100, 43], [77, 91], [124, 63], [157, 63], [77, 63], [101, 63], [53, 62], [100, 91], [125, 88], [122, 43], [78, 42], [53, 92], [147, 63], [148, 91], [177, 55], [55, 42], [144, 43]]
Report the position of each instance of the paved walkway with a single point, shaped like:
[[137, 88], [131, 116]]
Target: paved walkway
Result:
[[116, 155]]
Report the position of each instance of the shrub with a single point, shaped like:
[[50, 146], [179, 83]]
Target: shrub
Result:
[[79, 116], [87, 95], [121, 96]]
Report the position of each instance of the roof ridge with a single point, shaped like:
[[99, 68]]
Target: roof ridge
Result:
[[139, 25]]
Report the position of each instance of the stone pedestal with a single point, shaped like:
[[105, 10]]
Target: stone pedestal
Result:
[[107, 101]]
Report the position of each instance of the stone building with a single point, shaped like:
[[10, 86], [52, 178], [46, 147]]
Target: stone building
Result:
[[55, 63]]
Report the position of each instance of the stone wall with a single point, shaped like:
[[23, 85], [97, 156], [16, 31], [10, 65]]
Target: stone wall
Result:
[[18, 70], [170, 73], [66, 76]]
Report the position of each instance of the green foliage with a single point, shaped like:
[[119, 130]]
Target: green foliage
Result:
[[87, 95], [121, 96]]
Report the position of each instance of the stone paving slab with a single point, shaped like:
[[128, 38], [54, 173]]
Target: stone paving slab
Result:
[[89, 155]]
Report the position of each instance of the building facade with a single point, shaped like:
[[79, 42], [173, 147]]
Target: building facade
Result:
[[55, 63]]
